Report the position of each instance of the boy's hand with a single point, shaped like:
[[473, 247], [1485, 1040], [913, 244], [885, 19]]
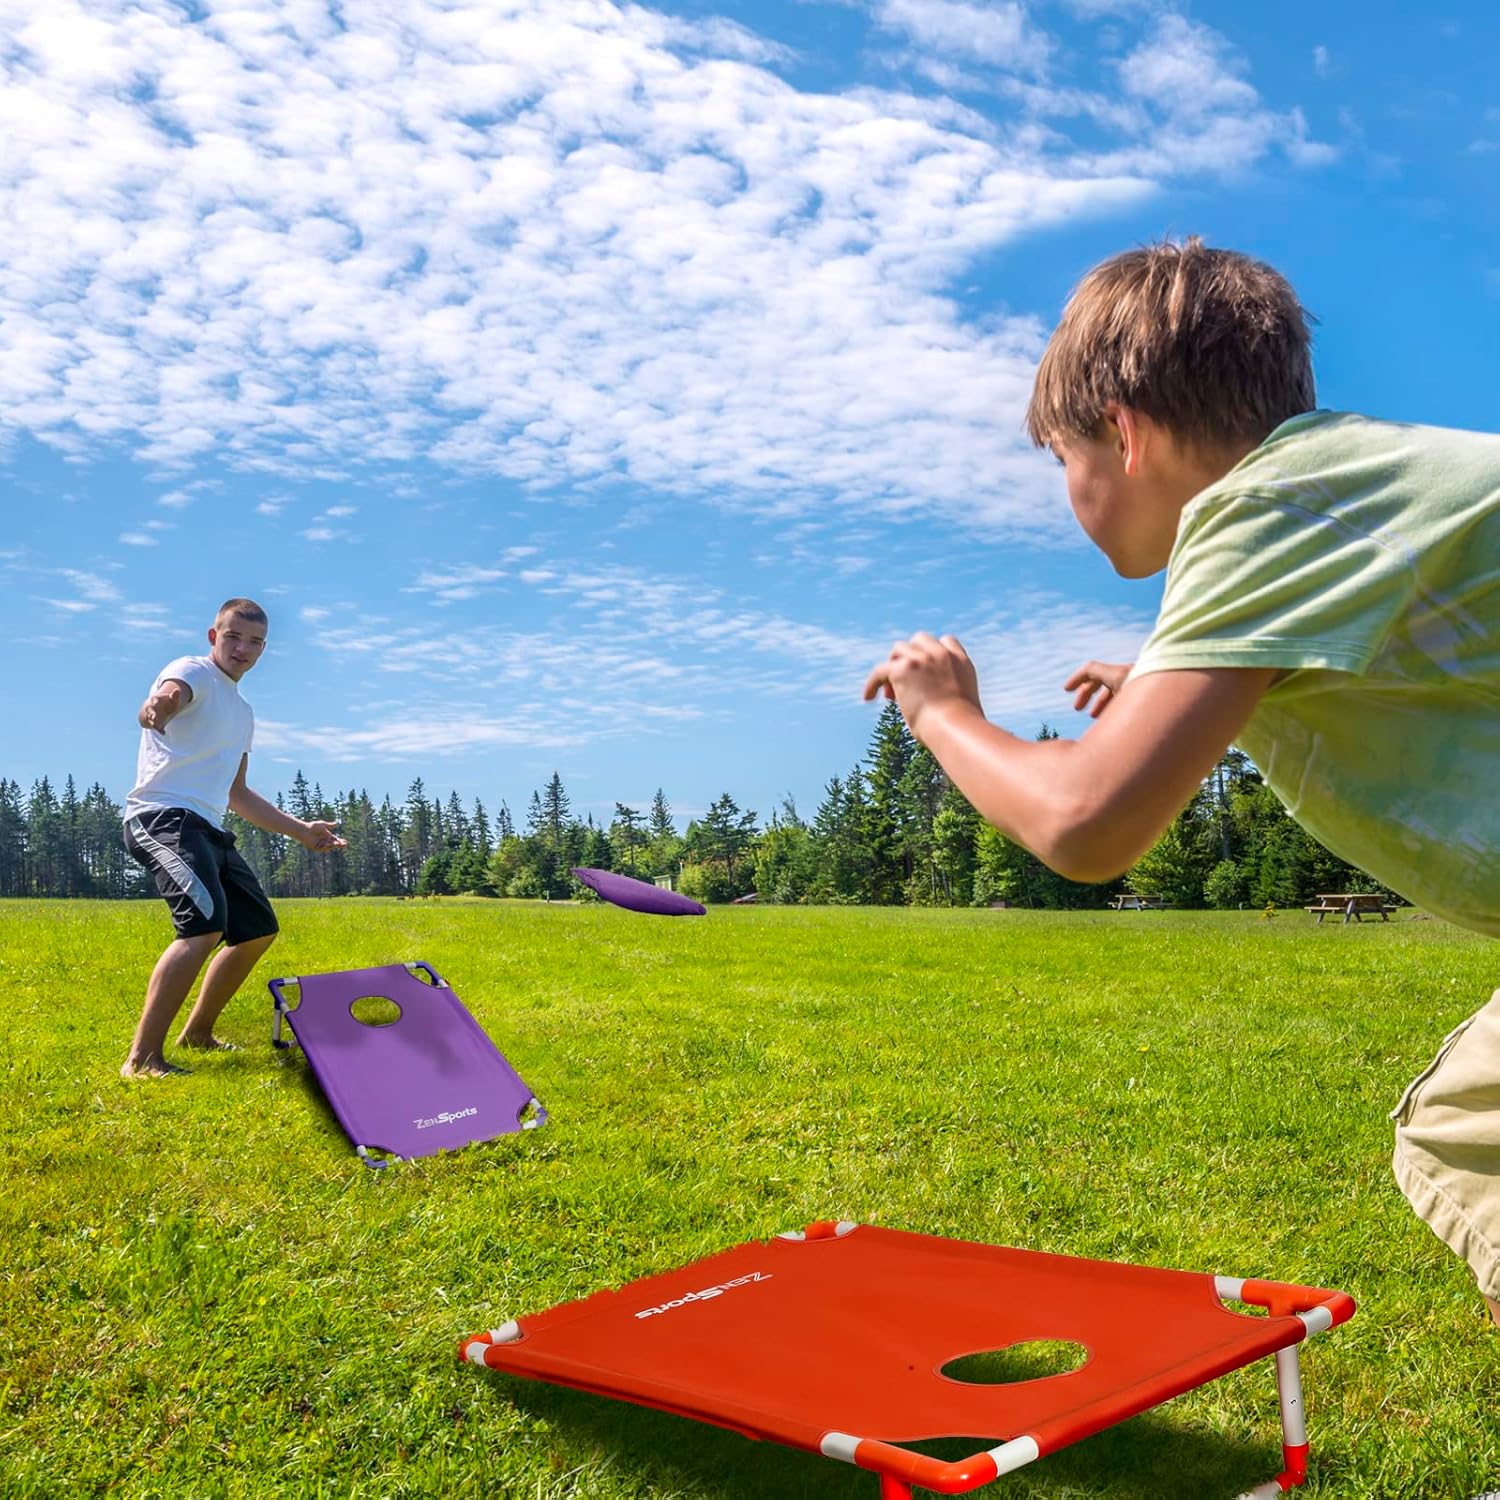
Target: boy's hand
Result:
[[926, 675], [321, 837], [1099, 680]]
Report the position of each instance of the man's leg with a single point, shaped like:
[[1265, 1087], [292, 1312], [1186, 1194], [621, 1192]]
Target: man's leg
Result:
[[168, 987], [229, 970]]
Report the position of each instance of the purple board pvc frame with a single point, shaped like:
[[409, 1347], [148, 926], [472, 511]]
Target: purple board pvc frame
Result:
[[429, 1080], [638, 895]]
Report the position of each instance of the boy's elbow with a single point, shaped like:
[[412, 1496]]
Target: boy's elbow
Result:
[[1087, 843]]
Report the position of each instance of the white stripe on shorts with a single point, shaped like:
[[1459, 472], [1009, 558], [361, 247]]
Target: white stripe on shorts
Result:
[[176, 868]]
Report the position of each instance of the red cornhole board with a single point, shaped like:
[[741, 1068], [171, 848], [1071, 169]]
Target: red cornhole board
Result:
[[833, 1340]]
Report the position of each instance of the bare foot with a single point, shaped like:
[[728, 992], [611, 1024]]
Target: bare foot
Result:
[[153, 1067], [212, 1044], [1494, 1309]]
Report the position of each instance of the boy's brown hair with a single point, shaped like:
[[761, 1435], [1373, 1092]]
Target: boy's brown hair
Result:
[[246, 609], [1211, 344]]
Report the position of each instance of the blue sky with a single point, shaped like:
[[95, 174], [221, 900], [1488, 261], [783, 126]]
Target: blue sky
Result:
[[603, 389]]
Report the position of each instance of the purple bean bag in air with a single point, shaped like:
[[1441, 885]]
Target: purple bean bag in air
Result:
[[639, 895]]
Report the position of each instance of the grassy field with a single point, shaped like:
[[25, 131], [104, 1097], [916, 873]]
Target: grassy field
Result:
[[205, 1293]]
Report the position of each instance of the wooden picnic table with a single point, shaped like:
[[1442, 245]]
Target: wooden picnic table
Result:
[[1129, 901], [1355, 905]]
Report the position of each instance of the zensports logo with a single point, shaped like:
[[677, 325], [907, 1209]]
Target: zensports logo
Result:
[[704, 1295], [447, 1117]]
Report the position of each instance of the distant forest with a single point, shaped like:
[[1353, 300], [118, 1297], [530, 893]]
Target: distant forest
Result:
[[891, 831]]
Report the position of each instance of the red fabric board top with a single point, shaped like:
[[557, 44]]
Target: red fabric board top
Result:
[[793, 1339]]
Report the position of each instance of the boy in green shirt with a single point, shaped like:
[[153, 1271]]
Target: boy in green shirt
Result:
[[1332, 605]]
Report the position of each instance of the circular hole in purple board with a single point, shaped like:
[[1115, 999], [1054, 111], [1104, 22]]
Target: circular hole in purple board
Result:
[[375, 1010], [1032, 1359]]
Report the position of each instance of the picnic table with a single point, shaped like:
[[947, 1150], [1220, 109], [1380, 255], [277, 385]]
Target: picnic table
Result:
[[1129, 901], [1355, 905]]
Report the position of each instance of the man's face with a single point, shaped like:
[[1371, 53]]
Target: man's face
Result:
[[236, 644]]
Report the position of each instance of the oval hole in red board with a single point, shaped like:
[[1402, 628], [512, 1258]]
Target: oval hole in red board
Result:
[[1034, 1359]]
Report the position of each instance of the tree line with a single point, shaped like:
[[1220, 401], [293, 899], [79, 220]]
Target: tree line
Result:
[[892, 830]]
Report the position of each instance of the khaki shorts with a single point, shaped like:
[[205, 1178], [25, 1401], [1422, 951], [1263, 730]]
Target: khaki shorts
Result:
[[1447, 1159]]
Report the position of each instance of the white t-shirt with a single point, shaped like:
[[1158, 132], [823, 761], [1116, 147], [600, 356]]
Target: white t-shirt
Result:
[[193, 762]]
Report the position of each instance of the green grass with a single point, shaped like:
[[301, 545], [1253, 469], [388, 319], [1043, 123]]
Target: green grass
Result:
[[205, 1293]]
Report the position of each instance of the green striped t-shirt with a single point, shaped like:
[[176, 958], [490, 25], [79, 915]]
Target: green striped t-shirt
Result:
[[1363, 559]]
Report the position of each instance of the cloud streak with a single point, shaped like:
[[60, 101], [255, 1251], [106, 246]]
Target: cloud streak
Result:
[[563, 243]]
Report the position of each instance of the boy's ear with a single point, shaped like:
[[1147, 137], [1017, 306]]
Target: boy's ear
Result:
[[1129, 434]]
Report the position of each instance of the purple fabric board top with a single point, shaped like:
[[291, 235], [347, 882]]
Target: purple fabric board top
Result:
[[639, 895], [429, 1081]]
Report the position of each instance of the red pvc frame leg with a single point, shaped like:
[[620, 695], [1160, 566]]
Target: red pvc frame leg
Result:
[[892, 1488]]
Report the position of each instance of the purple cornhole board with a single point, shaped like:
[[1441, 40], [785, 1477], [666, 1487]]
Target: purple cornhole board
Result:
[[638, 895], [429, 1081]]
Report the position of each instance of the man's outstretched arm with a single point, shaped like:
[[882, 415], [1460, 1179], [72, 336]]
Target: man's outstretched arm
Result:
[[317, 835]]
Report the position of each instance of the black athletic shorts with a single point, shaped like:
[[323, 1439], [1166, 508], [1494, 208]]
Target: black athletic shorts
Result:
[[201, 875]]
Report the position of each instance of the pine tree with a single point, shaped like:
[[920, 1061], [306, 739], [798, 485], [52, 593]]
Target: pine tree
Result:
[[627, 835], [955, 831], [44, 841], [479, 828], [892, 749], [664, 847], [455, 822], [505, 827], [416, 834], [12, 840], [919, 795], [555, 809]]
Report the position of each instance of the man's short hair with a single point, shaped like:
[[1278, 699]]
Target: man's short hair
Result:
[[247, 609], [1211, 344]]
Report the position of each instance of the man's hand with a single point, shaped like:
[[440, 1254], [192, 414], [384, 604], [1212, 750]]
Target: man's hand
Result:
[[164, 705], [321, 837], [926, 675], [1099, 680]]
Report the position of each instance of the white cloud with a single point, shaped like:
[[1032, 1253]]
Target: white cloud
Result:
[[457, 583], [312, 613], [559, 242], [91, 585], [1205, 116], [1320, 61], [138, 539], [321, 534], [340, 511], [646, 652], [999, 34], [144, 617]]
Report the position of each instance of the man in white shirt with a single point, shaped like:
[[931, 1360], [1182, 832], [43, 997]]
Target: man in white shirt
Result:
[[196, 733]]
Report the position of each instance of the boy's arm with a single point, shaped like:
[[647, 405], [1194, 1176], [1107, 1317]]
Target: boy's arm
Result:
[[166, 701], [317, 835], [1088, 807]]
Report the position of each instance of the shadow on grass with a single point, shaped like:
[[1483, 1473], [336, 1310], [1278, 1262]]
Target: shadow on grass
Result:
[[1147, 1458], [294, 1074]]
